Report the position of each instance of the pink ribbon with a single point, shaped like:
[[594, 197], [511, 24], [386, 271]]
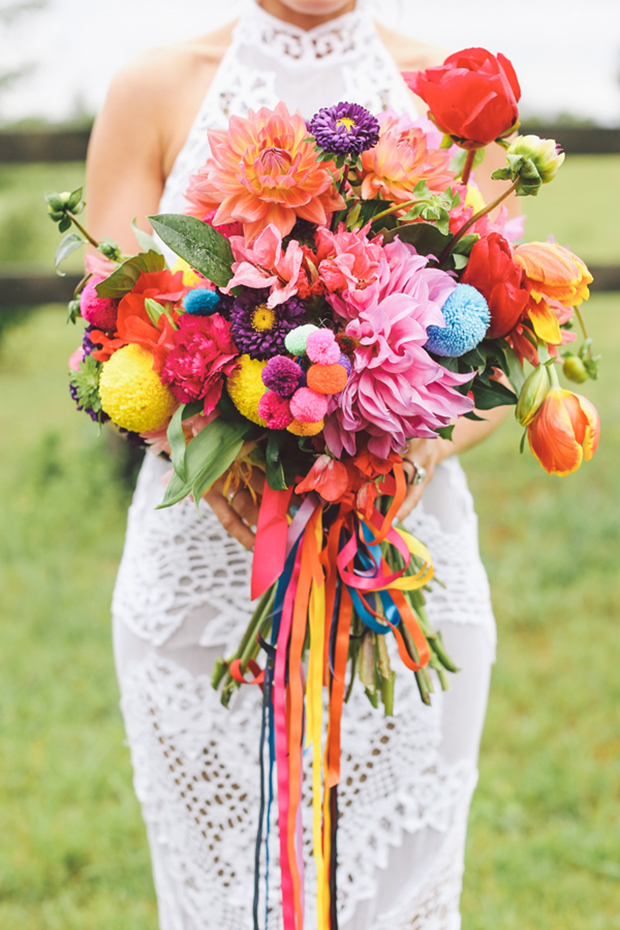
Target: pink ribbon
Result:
[[270, 546]]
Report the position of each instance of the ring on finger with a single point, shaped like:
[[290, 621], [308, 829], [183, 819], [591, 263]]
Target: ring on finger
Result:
[[419, 473]]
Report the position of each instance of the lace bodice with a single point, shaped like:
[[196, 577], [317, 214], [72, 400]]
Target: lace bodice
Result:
[[270, 60]]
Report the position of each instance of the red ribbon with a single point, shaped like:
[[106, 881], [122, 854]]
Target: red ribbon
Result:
[[270, 545]]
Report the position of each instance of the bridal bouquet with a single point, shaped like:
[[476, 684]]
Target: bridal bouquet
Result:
[[340, 288]]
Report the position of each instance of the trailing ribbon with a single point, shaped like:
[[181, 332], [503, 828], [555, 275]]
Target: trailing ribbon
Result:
[[324, 574]]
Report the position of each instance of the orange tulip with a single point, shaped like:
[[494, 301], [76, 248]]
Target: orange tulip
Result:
[[564, 432], [555, 275], [263, 170]]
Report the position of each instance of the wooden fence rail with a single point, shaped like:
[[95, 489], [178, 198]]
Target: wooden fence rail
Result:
[[30, 288]]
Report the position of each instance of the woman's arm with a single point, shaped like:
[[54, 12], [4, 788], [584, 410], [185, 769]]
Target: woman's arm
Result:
[[140, 130]]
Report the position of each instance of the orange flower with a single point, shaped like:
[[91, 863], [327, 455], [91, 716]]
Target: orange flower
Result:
[[555, 275], [564, 432], [264, 171], [399, 161]]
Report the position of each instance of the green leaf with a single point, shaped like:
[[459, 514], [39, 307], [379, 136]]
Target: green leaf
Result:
[[511, 366], [205, 249], [144, 239], [275, 470], [466, 244], [474, 416], [74, 203], [176, 438], [73, 310], [458, 162], [64, 225], [121, 281], [459, 261], [207, 457], [67, 247], [445, 432], [491, 394], [426, 238]]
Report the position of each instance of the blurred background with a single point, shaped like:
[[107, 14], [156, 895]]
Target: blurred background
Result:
[[544, 840]]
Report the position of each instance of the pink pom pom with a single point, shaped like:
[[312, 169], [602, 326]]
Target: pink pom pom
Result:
[[322, 348], [99, 311], [275, 410], [76, 359], [308, 406]]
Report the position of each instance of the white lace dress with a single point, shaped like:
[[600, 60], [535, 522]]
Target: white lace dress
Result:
[[182, 599]]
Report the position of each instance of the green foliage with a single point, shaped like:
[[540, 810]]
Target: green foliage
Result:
[[203, 247], [86, 382], [121, 281]]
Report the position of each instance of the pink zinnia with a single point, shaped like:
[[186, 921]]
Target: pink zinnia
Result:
[[396, 391], [204, 354]]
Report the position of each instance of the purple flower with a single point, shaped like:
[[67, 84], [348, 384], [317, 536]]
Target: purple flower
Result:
[[345, 129], [282, 375], [259, 330]]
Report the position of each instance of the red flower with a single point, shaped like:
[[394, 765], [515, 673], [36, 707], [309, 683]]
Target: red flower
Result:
[[564, 432], [203, 354], [472, 97], [133, 323], [328, 477], [492, 270]]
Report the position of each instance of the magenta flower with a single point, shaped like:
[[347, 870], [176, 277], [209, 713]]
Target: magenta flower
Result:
[[396, 391], [203, 355]]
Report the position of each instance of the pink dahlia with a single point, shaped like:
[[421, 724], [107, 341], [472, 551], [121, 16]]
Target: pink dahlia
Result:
[[396, 391], [346, 261], [264, 170], [203, 355]]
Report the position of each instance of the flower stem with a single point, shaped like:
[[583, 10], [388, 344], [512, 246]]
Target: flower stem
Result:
[[474, 219], [469, 164], [395, 208], [582, 323], [343, 184], [84, 232]]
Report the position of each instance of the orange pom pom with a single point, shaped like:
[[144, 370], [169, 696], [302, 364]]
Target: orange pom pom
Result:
[[305, 429], [327, 379]]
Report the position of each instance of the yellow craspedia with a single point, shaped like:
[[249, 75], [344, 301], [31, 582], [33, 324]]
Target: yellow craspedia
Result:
[[305, 429], [474, 198], [191, 278], [245, 387], [131, 392]]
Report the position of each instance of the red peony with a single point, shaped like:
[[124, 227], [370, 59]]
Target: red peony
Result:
[[203, 354], [492, 270], [472, 97]]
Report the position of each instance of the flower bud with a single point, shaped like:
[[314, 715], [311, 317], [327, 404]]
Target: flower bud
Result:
[[533, 392], [574, 369], [544, 153]]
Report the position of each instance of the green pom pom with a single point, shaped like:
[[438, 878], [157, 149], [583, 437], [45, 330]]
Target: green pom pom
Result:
[[296, 340]]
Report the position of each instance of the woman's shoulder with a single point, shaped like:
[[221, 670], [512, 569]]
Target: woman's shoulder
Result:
[[410, 54]]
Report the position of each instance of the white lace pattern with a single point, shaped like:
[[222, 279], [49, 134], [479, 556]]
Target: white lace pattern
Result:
[[182, 599]]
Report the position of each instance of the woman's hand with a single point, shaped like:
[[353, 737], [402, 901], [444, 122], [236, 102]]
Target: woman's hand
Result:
[[238, 511], [426, 453]]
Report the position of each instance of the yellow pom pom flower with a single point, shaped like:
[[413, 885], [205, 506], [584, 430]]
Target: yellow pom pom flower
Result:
[[190, 277], [305, 429], [131, 392], [245, 387]]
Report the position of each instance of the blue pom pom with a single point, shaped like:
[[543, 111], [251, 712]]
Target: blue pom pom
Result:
[[467, 317], [201, 301]]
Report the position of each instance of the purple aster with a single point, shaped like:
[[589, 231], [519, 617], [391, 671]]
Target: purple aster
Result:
[[258, 330], [345, 129]]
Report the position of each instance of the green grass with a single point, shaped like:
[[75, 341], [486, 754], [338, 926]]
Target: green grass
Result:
[[28, 238], [544, 839]]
